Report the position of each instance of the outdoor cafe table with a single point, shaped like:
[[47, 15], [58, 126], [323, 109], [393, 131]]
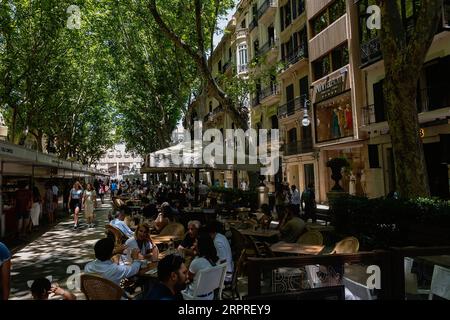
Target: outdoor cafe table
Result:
[[264, 233], [296, 248], [164, 239]]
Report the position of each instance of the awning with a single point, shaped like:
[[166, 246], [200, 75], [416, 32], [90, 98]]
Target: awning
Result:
[[188, 156], [19, 160]]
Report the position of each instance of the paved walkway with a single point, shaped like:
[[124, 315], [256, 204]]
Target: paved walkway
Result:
[[59, 253]]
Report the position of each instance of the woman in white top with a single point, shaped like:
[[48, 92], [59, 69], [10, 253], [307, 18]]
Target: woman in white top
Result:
[[143, 242], [207, 258], [75, 201], [89, 202]]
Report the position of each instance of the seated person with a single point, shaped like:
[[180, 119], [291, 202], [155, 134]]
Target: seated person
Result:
[[163, 220], [143, 242], [42, 288], [149, 210], [206, 258], [292, 226], [223, 248], [332, 276], [120, 224], [105, 267], [172, 276], [188, 245]]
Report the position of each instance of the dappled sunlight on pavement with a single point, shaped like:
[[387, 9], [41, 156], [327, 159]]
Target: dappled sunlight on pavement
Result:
[[58, 253]]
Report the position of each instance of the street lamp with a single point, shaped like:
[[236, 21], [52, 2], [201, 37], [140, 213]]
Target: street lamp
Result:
[[306, 119]]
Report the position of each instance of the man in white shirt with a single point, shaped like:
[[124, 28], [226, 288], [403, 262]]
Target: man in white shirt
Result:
[[121, 225], [223, 249], [104, 266], [55, 191]]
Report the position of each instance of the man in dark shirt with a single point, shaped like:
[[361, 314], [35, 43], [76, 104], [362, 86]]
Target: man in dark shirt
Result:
[[23, 201], [172, 275], [188, 245]]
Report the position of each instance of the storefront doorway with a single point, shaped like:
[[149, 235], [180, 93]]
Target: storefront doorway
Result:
[[438, 173]]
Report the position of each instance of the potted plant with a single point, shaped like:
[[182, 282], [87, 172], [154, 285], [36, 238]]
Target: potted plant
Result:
[[336, 165]]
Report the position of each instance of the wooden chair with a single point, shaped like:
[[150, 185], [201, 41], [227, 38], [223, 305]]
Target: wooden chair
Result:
[[96, 287], [231, 291], [118, 236], [346, 245], [311, 237], [209, 280]]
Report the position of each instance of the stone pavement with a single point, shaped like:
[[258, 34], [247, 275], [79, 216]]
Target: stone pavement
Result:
[[60, 253]]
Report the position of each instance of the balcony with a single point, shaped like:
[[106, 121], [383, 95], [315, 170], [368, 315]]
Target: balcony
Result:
[[370, 52], [270, 47], [270, 95], [266, 12], [291, 108], [294, 60], [253, 24], [243, 68], [242, 34], [298, 147]]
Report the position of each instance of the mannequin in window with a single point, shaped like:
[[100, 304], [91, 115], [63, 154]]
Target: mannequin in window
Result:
[[348, 118], [335, 129], [352, 184]]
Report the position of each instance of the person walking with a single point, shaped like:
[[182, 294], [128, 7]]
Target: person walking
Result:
[[23, 201], [75, 201], [89, 203], [308, 202], [35, 209], [48, 199], [295, 199]]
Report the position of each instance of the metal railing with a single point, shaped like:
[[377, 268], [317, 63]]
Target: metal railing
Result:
[[266, 5], [291, 107], [296, 55], [271, 90], [271, 44], [298, 147], [242, 68], [371, 51]]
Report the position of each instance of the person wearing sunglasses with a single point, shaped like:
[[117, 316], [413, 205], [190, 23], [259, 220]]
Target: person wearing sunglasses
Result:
[[172, 276], [332, 276]]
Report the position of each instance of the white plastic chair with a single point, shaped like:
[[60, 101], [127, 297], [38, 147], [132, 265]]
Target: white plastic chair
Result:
[[357, 289], [311, 273], [440, 283], [209, 280]]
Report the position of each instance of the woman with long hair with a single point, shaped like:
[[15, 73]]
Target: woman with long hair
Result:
[[207, 258], [144, 243], [75, 201], [89, 202]]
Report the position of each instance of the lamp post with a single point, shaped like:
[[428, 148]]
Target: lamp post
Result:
[[306, 121]]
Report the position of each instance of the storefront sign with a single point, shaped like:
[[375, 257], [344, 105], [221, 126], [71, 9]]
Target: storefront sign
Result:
[[334, 85], [49, 160], [330, 89], [18, 152]]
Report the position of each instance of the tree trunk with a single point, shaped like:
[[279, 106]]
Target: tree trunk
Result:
[[400, 96]]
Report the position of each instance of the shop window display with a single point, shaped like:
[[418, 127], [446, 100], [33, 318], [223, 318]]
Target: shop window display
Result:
[[334, 119]]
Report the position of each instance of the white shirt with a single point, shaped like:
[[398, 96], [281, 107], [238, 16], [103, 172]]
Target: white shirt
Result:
[[55, 190], [132, 244], [111, 271], [224, 253], [295, 198], [196, 265]]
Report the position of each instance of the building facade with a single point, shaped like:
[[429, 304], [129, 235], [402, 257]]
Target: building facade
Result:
[[119, 163]]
